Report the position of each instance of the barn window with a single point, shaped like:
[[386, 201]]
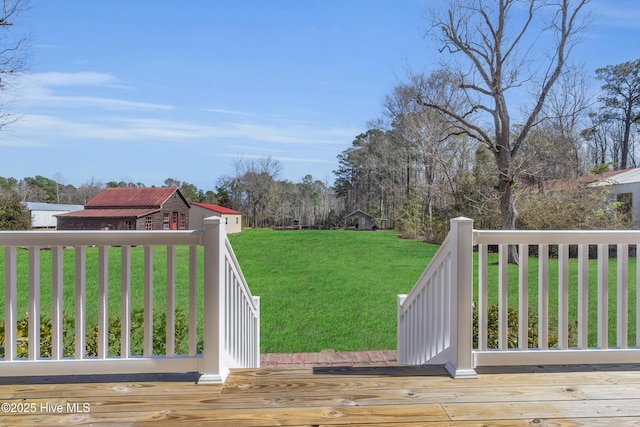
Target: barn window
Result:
[[148, 223], [183, 221], [166, 221]]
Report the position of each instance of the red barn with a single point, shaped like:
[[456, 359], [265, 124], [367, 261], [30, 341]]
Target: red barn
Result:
[[162, 208]]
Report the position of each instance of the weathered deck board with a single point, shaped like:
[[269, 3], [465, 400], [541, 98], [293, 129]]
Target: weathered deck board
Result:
[[400, 396], [536, 409]]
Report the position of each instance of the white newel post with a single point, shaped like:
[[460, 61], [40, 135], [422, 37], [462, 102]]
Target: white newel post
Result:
[[401, 341], [462, 365], [213, 369], [256, 342]]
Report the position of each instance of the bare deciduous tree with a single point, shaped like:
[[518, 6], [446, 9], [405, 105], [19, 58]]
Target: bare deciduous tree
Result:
[[554, 149], [14, 45], [250, 185], [495, 49], [434, 155]]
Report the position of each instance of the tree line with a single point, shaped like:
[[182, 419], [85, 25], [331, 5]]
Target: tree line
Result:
[[54, 190], [253, 189]]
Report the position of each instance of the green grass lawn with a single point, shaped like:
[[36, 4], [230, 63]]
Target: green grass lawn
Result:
[[329, 289]]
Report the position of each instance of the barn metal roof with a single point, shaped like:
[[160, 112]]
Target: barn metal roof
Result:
[[359, 212], [37, 206], [626, 176], [109, 213], [217, 208], [131, 197]]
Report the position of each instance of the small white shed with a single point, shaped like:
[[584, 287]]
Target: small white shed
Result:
[[200, 211], [43, 215]]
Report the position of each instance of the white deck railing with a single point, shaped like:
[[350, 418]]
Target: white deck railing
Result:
[[435, 320], [221, 312]]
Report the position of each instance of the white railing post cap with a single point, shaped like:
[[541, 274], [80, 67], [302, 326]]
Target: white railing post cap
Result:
[[461, 219], [213, 220]]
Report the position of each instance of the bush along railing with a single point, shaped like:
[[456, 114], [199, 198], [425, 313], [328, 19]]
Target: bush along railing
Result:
[[92, 333], [182, 304], [556, 306]]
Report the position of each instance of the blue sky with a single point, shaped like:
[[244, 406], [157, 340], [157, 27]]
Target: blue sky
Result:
[[152, 89]]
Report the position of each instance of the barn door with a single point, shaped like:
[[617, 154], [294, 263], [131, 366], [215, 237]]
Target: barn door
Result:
[[174, 221]]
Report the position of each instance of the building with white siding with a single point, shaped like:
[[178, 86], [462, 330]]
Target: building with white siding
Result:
[[43, 215], [200, 211]]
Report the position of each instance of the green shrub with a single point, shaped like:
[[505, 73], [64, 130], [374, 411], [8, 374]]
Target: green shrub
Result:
[[182, 335], [114, 334], [577, 207], [512, 325]]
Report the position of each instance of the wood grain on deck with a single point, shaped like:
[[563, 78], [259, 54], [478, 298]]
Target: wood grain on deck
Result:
[[338, 396]]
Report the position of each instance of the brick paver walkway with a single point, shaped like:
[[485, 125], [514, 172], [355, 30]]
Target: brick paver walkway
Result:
[[329, 358]]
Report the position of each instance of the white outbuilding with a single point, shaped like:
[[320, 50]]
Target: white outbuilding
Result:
[[43, 215], [200, 211]]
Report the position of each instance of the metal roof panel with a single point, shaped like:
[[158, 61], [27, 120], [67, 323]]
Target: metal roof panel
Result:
[[109, 213], [131, 197], [217, 208]]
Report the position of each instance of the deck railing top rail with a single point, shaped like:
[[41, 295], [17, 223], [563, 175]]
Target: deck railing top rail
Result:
[[555, 237], [100, 238]]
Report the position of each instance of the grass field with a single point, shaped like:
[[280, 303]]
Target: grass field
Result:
[[329, 289]]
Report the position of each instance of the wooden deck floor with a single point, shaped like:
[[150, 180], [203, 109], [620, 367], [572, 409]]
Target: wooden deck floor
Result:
[[333, 396]]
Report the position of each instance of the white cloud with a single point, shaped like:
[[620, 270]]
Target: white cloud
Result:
[[279, 128], [69, 108], [100, 102], [83, 78], [286, 133], [41, 90], [58, 129], [230, 112], [621, 13], [279, 158], [43, 127]]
